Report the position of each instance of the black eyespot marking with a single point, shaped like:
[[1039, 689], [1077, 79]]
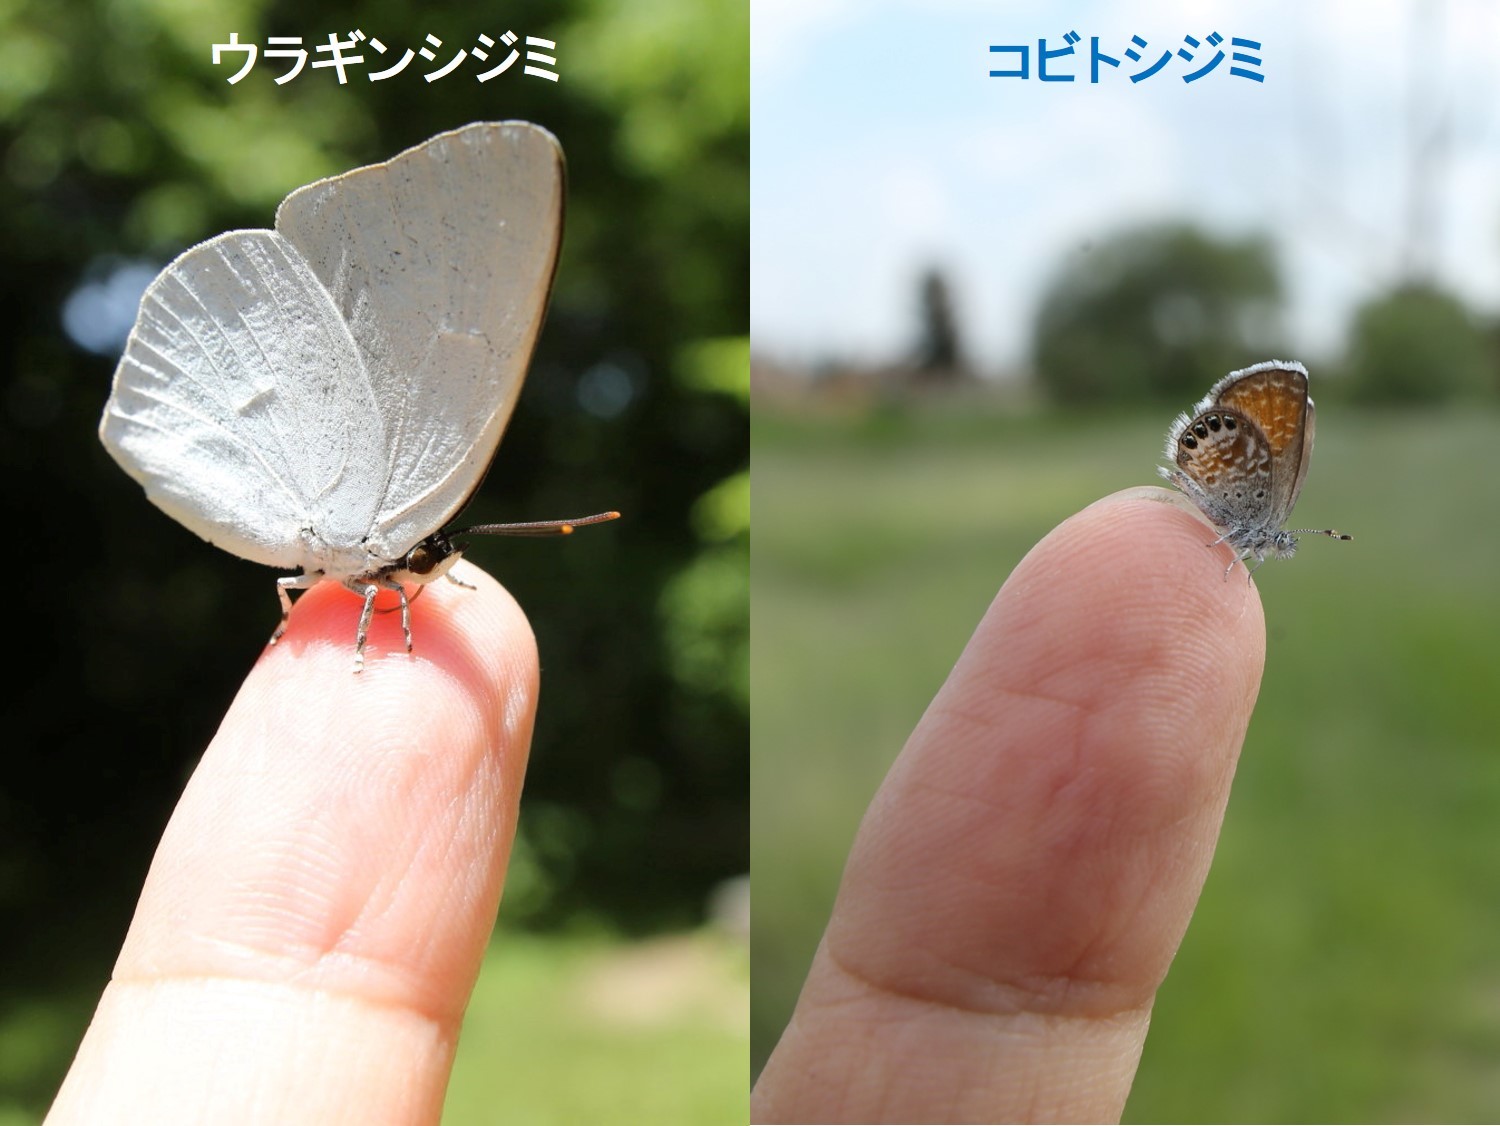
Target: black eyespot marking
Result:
[[1200, 430], [1213, 423], [1190, 442], [1228, 422]]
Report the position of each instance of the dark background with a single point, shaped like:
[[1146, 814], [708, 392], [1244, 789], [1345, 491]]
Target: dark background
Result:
[[120, 143]]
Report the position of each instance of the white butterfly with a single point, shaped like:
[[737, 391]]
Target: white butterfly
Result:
[[328, 394]]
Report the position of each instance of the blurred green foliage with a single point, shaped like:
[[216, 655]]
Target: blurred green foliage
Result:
[[120, 142], [1419, 344], [1339, 963], [1144, 313]]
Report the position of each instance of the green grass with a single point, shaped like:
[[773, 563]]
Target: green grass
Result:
[[562, 1031], [1344, 962]]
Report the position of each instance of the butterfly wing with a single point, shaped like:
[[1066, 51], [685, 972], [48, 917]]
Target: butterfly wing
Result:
[[1227, 461], [241, 406], [1303, 458], [1275, 397], [440, 262]]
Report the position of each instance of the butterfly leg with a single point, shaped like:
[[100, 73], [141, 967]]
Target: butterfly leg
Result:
[[405, 611], [459, 582], [1260, 558], [363, 630], [287, 583], [371, 591], [1241, 557]]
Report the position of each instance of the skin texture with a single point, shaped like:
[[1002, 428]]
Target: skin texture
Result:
[[316, 913], [1023, 878]]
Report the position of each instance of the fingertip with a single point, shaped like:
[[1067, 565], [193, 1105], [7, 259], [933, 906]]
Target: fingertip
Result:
[[1084, 742], [475, 632], [1170, 558], [1134, 589], [326, 791], [1029, 866], [317, 910]]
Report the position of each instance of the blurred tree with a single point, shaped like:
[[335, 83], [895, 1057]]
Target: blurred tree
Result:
[[1419, 344], [939, 354], [1158, 312]]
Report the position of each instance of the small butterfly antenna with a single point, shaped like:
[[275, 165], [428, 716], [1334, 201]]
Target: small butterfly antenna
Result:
[[537, 527], [1329, 532]]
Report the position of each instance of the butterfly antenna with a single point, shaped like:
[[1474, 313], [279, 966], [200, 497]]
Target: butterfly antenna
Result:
[[538, 527], [1329, 532]]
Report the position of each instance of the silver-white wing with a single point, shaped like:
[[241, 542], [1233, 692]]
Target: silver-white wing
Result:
[[242, 406], [440, 261]]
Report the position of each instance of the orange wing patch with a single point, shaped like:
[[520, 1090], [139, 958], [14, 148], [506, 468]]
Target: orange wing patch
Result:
[[1275, 400]]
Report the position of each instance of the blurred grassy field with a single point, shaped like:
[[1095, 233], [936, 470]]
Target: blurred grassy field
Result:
[[566, 1030], [561, 1029], [1344, 962]]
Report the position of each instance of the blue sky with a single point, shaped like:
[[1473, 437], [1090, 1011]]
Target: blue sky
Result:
[[880, 146]]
